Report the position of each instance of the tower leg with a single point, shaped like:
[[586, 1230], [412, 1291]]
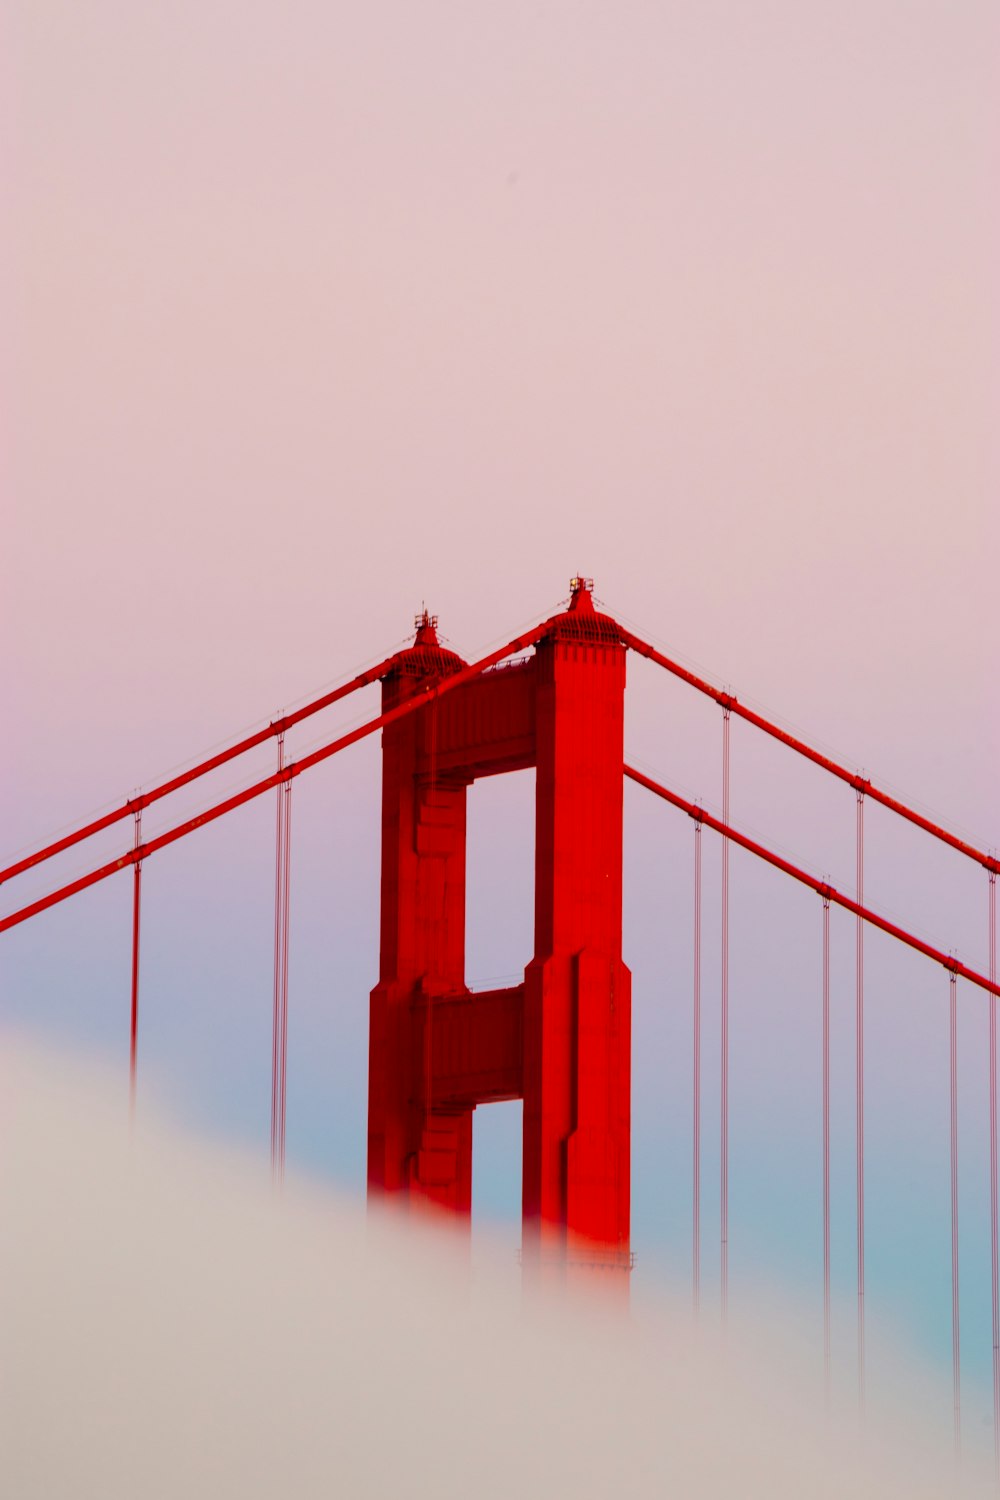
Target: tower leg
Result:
[[577, 1018]]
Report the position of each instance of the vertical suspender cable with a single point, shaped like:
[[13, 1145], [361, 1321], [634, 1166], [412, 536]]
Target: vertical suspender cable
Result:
[[953, 1092], [860, 1091], [276, 1020], [724, 1148], [826, 1146], [285, 916], [993, 1170], [696, 1082], [134, 1014]]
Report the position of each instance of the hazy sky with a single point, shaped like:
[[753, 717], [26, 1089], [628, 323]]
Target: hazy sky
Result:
[[312, 313]]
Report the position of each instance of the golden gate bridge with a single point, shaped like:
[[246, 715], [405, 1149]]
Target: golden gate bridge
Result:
[[551, 699]]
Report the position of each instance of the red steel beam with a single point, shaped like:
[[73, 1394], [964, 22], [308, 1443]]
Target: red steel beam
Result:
[[136, 804], [294, 768], [860, 783], [365, 679], [828, 892]]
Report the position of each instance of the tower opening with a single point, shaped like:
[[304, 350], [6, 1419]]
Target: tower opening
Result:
[[500, 879]]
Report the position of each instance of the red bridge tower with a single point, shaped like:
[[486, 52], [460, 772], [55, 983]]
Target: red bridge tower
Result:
[[561, 1039]]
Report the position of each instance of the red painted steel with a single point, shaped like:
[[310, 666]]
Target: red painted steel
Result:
[[826, 1145], [146, 799], [276, 1000], [696, 1082], [821, 887], [860, 783], [561, 1040], [286, 793], [134, 1009], [956, 1357], [93, 877], [279, 1038], [724, 1033], [859, 1075], [994, 1255]]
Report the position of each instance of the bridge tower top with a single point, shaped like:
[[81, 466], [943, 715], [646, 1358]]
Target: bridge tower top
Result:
[[425, 625], [559, 1040], [581, 595], [426, 657]]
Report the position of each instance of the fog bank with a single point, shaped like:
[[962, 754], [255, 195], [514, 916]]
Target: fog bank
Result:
[[171, 1326]]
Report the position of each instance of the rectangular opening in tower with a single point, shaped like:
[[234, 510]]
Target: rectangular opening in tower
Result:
[[500, 880], [496, 1172]]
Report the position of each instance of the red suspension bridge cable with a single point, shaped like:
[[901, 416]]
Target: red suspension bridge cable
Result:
[[956, 970], [278, 1067], [410, 705], [859, 1067], [134, 1009], [366, 678], [826, 1144], [994, 1257], [821, 887], [146, 799], [696, 1082], [277, 947], [724, 1059], [286, 892], [956, 1359], [728, 700]]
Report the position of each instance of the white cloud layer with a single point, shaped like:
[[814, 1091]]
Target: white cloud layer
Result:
[[169, 1327]]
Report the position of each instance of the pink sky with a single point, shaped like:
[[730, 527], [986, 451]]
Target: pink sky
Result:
[[315, 312], [320, 312]]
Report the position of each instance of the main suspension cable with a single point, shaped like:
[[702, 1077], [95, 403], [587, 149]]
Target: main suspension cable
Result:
[[821, 887], [164, 789], [988, 861], [437, 689]]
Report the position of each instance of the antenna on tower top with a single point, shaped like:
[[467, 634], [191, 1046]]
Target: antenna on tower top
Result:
[[425, 626]]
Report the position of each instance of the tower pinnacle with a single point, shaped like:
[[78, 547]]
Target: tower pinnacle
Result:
[[426, 627], [580, 595]]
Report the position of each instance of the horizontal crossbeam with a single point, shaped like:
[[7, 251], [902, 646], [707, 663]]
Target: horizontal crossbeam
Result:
[[475, 1047]]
